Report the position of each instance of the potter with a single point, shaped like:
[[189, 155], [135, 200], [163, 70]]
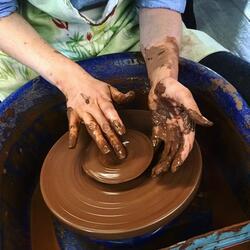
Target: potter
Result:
[[90, 101], [31, 116], [72, 33]]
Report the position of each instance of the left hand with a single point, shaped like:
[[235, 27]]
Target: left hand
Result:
[[174, 115]]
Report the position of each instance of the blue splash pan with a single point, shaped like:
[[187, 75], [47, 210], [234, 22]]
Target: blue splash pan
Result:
[[34, 117]]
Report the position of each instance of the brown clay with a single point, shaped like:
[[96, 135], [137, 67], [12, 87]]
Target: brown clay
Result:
[[115, 211], [109, 169], [43, 235]]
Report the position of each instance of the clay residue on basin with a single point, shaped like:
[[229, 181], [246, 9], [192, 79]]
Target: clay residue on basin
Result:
[[227, 88]]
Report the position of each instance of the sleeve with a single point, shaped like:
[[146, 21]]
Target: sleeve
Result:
[[7, 7], [176, 5]]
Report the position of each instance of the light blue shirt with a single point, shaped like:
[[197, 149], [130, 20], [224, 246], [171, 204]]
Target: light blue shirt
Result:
[[176, 5], [9, 6]]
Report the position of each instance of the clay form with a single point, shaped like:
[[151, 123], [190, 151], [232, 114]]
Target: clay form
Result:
[[109, 169], [115, 211]]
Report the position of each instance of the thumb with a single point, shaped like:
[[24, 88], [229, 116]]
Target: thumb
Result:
[[119, 97], [199, 118]]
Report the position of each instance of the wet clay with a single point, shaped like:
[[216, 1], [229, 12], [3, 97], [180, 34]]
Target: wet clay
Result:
[[109, 169], [43, 235], [115, 211]]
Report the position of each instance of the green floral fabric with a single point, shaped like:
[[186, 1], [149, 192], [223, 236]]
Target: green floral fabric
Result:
[[76, 35]]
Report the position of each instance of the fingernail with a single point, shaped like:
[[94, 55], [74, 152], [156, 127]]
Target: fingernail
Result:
[[153, 174], [130, 95], [121, 154], [158, 172], [199, 118], [72, 141], [176, 165], [155, 141], [120, 129], [209, 123], [105, 149]]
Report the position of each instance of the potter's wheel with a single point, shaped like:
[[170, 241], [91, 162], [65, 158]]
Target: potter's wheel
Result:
[[115, 211]]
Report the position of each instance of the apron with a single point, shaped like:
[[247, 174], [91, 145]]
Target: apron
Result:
[[80, 35]]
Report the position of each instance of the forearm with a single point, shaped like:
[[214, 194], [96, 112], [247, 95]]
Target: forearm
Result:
[[160, 36], [19, 40], [88, 100]]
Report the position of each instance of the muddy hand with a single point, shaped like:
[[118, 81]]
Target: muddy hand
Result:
[[95, 109], [174, 115]]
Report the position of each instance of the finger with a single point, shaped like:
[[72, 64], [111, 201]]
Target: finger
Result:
[[155, 139], [115, 142], [119, 97], [173, 150], [199, 118], [186, 146], [110, 134], [95, 132], [113, 117], [159, 169], [172, 143], [164, 162], [74, 125]]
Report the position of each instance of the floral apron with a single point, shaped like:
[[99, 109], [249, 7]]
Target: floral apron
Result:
[[83, 34]]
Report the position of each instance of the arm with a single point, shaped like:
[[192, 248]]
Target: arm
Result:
[[174, 111], [88, 99], [20, 41], [167, 36]]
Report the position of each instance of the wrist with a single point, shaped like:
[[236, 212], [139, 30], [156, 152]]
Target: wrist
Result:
[[162, 60], [67, 76], [162, 73]]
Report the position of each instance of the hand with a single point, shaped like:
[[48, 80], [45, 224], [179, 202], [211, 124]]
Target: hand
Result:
[[174, 115], [91, 103]]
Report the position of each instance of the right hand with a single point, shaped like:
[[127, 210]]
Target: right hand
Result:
[[174, 115], [90, 102]]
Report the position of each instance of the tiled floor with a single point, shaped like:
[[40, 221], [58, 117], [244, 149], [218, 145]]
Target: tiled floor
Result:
[[228, 21]]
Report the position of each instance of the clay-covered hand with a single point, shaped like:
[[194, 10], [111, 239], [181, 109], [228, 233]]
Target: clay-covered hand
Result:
[[174, 115], [91, 103]]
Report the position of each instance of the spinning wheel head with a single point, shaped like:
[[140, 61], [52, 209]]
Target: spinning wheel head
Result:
[[135, 204]]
